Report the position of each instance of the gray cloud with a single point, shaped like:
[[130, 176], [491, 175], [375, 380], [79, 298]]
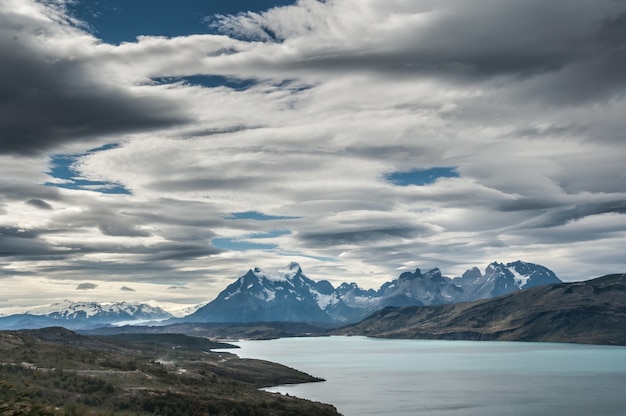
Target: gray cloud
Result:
[[120, 229], [528, 204], [563, 216], [192, 183], [38, 203], [11, 232], [27, 191], [613, 31], [181, 251], [49, 98], [460, 41], [361, 236], [86, 286], [25, 244]]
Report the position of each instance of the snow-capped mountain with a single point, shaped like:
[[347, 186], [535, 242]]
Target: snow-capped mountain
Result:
[[283, 295], [80, 315], [417, 289], [289, 295], [119, 311], [500, 279]]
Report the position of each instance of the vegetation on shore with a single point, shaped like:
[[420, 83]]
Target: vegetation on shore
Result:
[[54, 371]]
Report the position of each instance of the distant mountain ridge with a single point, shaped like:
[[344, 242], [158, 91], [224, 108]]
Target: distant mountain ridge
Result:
[[289, 295], [589, 312], [500, 279], [81, 315]]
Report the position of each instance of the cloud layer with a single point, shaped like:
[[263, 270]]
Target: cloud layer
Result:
[[322, 103]]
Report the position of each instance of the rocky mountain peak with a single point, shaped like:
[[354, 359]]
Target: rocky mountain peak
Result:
[[295, 267], [473, 273]]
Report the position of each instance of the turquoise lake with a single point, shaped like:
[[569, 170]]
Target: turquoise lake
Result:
[[366, 376]]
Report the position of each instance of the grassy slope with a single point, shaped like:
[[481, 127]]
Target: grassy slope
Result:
[[592, 312], [55, 371]]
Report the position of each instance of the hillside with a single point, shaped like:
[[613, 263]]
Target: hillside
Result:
[[590, 312], [56, 371], [219, 330]]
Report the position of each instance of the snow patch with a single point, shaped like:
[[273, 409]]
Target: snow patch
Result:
[[273, 276], [233, 294], [325, 300], [520, 279], [269, 295]]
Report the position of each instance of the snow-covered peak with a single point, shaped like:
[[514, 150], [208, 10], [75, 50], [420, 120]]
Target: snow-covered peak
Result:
[[67, 307], [275, 276], [494, 266], [348, 286], [71, 309], [280, 275]]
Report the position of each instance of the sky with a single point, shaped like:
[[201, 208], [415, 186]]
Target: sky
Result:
[[157, 150]]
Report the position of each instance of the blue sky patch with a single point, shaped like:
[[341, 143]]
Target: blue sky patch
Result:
[[211, 81], [258, 216], [237, 244], [63, 169], [245, 243], [421, 177], [117, 21], [271, 234]]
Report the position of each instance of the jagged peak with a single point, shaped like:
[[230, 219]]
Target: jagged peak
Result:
[[350, 285], [519, 264], [434, 271], [294, 266], [494, 265], [472, 273], [288, 273], [410, 275]]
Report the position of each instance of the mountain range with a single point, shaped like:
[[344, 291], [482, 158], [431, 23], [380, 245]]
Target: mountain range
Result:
[[288, 295], [589, 312], [82, 315]]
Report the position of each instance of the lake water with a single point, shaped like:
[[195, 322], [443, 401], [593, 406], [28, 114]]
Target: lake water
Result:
[[368, 376]]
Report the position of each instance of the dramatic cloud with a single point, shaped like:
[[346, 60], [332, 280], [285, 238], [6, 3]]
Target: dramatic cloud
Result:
[[50, 95], [360, 138]]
